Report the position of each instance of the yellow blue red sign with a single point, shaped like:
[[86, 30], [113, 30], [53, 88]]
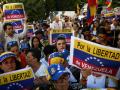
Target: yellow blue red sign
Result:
[[99, 58], [13, 11], [17, 80]]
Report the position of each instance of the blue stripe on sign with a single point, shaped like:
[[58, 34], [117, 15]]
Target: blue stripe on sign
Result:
[[95, 60]]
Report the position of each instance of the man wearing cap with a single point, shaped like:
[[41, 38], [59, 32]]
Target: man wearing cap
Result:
[[61, 58], [59, 77]]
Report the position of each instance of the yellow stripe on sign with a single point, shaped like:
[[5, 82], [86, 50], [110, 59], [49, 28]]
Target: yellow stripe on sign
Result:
[[62, 31], [30, 27], [97, 50], [16, 76], [13, 6]]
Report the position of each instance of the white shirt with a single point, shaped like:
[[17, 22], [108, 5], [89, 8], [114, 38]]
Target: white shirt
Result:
[[42, 71], [112, 27], [96, 82], [99, 82], [56, 25], [15, 37]]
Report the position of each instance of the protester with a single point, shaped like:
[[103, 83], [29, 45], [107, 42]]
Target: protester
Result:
[[59, 77], [39, 69], [44, 58], [67, 24], [57, 24], [8, 62], [24, 48], [10, 33], [91, 79], [35, 43], [61, 58], [47, 51], [60, 44], [13, 47]]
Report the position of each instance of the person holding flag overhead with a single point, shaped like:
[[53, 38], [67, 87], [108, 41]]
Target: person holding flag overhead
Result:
[[10, 33], [92, 7]]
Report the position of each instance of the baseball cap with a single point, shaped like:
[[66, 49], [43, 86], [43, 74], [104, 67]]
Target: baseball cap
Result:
[[24, 46], [56, 71], [12, 43], [56, 58], [6, 55]]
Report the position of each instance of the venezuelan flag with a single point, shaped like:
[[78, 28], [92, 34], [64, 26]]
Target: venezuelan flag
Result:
[[92, 7], [108, 3]]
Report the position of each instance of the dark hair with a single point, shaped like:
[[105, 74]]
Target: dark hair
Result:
[[6, 24], [11, 44], [39, 32], [35, 53], [61, 38], [48, 50], [32, 45], [45, 24]]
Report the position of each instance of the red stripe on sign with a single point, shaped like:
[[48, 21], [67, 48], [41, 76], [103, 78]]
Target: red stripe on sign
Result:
[[15, 16], [83, 64]]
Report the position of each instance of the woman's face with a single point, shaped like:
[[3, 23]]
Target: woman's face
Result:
[[8, 65], [35, 42], [30, 59], [62, 83], [61, 45], [15, 50]]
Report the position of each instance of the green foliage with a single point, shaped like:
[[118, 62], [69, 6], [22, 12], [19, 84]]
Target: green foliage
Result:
[[40, 9]]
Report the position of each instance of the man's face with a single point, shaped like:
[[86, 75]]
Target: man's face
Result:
[[8, 64], [62, 83], [15, 50], [9, 30], [61, 45]]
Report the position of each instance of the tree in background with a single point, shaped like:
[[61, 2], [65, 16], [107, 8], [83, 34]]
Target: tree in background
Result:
[[40, 9]]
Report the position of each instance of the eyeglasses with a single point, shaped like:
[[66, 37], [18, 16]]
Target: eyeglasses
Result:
[[12, 43]]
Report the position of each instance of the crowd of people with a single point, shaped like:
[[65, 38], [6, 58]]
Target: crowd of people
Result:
[[50, 63]]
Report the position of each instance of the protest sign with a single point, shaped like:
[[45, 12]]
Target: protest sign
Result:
[[17, 80], [13, 11], [30, 30], [66, 33], [18, 25], [99, 58]]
